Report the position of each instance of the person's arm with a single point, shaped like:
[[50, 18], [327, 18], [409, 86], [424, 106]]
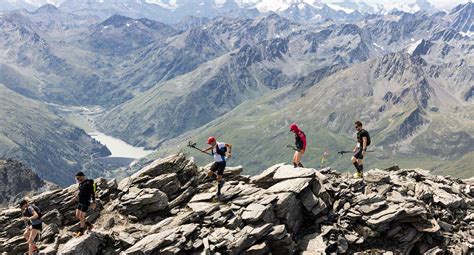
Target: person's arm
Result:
[[206, 151], [229, 147], [364, 145], [33, 213], [92, 193]]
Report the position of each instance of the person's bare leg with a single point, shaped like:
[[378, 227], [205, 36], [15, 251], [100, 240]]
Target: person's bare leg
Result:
[[26, 234], [298, 156], [295, 164], [82, 217], [353, 159], [355, 163], [78, 214], [211, 174], [31, 241], [79, 217]]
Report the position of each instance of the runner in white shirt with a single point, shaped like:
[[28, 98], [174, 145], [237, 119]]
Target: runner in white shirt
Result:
[[220, 152]]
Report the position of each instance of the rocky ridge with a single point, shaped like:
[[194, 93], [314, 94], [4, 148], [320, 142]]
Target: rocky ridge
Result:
[[17, 180], [166, 208]]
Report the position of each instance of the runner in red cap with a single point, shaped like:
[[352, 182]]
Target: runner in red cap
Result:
[[300, 143], [220, 152]]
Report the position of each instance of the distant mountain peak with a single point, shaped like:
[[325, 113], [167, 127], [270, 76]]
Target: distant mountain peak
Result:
[[116, 20], [396, 64], [47, 8], [467, 6], [460, 19]]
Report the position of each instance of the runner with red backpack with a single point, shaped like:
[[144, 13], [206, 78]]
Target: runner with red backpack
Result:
[[300, 143]]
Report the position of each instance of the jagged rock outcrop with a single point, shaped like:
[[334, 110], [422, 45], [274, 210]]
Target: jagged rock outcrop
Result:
[[17, 180], [167, 208]]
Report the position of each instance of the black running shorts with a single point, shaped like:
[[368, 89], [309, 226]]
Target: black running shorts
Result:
[[83, 207], [358, 153], [218, 167], [38, 226]]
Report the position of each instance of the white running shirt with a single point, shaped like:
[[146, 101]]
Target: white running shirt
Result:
[[217, 157]]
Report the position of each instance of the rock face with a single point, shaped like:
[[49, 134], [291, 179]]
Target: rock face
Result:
[[17, 180], [168, 208]]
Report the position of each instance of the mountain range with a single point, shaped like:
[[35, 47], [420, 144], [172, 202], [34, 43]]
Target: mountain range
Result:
[[403, 96], [169, 11], [242, 76]]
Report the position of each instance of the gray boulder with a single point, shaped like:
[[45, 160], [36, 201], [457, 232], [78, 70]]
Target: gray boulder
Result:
[[89, 244]]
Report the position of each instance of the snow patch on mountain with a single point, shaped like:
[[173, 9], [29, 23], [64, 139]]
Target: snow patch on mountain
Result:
[[412, 47], [41, 2], [340, 8], [419, 5], [282, 5], [378, 46], [468, 33], [167, 4]]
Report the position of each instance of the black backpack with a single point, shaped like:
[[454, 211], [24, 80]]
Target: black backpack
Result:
[[91, 187], [220, 151], [368, 138], [37, 210]]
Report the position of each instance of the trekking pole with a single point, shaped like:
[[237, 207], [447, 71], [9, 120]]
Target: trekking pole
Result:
[[193, 145], [342, 152]]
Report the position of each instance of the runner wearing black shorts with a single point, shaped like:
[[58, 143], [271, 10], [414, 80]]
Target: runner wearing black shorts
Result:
[[86, 199], [221, 152], [218, 167], [83, 207], [38, 226], [34, 224], [363, 140], [358, 154]]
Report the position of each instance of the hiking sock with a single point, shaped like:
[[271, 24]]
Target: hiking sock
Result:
[[361, 168], [219, 187], [300, 165], [356, 165], [35, 248]]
